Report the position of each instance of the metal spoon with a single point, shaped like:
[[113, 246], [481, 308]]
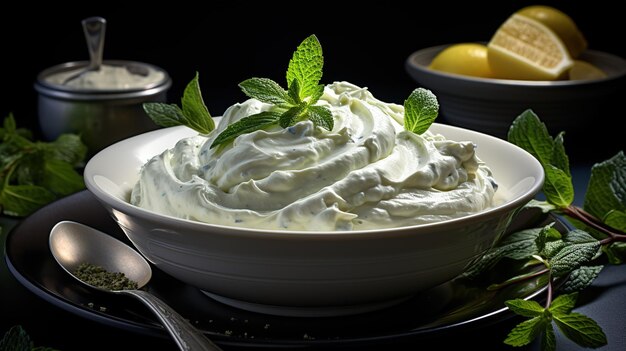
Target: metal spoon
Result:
[[73, 243], [94, 29]]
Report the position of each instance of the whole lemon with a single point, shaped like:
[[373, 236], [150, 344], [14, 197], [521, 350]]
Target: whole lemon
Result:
[[561, 24], [468, 59]]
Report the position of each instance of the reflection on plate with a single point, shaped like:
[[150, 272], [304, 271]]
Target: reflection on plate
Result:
[[449, 307]]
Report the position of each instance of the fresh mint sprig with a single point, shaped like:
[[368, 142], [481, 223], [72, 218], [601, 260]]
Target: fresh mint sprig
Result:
[[16, 339], [35, 173], [290, 106], [193, 114], [601, 226]]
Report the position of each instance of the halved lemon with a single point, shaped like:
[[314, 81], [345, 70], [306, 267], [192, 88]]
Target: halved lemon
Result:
[[464, 58], [585, 70], [562, 24], [524, 48]]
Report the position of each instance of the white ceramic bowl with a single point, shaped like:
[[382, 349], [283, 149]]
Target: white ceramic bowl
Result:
[[581, 108], [309, 273]]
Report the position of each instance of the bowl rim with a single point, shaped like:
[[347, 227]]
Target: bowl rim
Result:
[[412, 63], [126, 207]]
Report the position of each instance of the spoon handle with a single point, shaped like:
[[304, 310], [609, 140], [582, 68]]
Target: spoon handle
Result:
[[187, 337], [94, 28]]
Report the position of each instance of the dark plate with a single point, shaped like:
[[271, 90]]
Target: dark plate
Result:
[[452, 307]]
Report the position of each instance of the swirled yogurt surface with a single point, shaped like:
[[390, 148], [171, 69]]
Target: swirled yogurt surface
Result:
[[108, 77], [367, 173]]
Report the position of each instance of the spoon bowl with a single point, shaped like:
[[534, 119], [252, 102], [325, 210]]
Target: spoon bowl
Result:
[[73, 244]]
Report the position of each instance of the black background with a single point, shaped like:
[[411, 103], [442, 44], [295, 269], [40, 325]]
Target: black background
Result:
[[229, 41]]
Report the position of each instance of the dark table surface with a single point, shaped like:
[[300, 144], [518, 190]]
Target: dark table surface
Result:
[[52, 326]]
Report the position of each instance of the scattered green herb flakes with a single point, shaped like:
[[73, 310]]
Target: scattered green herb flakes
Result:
[[98, 276]]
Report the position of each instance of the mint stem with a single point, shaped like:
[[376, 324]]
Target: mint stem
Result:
[[518, 279], [592, 221], [550, 290]]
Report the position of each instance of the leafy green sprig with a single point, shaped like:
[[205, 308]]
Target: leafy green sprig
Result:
[[16, 339], [568, 258], [293, 105], [193, 114], [290, 106], [35, 173]]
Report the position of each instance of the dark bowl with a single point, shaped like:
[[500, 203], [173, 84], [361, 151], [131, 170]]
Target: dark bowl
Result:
[[580, 108]]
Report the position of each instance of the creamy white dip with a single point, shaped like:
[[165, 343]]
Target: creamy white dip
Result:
[[367, 173], [107, 78]]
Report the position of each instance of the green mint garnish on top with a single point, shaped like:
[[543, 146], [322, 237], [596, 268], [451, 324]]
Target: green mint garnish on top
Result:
[[193, 113], [420, 110], [290, 106]]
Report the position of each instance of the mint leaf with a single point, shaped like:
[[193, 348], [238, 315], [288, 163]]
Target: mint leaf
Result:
[[559, 158], [35, 173], [16, 339], [616, 219], [581, 329], [548, 338], [266, 90], [293, 104], [525, 332], [165, 115], [294, 92], [420, 110], [291, 116], [544, 235], [544, 206], [607, 187], [572, 256], [193, 114], [551, 248], [558, 187], [8, 125], [194, 109], [306, 66], [321, 116], [22, 200], [518, 246], [526, 308], [522, 244], [316, 94], [529, 133], [246, 125], [563, 304], [67, 148], [616, 252], [580, 278], [61, 178], [578, 236]]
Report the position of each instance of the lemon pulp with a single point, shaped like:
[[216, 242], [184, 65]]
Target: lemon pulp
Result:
[[562, 24], [524, 48]]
